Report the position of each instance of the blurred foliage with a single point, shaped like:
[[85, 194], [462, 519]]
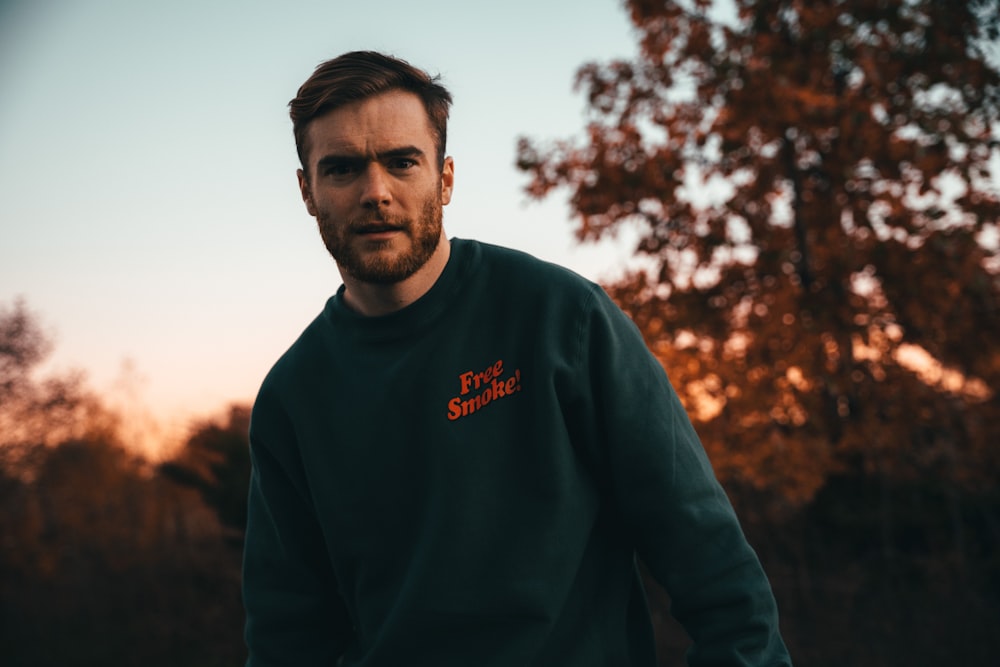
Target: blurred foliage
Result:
[[815, 185], [104, 560], [815, 190], [41, 410], [216, 462]]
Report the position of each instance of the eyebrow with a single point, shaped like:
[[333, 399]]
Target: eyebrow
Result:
[[340, 158]]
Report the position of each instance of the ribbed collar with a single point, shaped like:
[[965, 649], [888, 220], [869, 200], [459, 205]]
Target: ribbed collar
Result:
[[408, 321]]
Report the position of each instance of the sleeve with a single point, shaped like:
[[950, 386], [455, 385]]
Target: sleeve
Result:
[[680, 519], [294, 613]]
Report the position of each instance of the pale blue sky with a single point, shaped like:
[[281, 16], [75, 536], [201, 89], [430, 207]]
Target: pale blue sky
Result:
[[148, 205]]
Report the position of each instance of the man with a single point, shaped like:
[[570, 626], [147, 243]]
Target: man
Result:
[[460, 459]]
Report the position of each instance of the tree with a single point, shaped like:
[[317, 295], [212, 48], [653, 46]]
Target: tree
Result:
[[41, 411], [91, 539], [815, 187], [216, 461], [22, 346]]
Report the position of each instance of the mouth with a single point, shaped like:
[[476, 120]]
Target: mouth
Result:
[[377, 228], [381, 229], [383, 233]]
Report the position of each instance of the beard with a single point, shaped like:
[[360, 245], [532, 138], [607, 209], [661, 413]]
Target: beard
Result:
[[375, 261]]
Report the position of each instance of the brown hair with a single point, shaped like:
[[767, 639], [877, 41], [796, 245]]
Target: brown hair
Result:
[[358, 75]]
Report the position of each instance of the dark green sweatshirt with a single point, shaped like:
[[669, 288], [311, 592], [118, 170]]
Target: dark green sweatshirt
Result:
[[468, 482]]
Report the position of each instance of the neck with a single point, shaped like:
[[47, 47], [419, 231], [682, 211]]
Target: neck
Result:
[[372, 300]]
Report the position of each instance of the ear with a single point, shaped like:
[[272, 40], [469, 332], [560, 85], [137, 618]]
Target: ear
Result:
[[307, 197], [447, 180]]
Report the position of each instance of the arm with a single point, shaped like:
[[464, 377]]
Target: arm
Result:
[[294, 614], [680, 519]]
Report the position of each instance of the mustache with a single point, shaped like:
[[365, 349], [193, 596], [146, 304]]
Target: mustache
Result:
[[377, 221]]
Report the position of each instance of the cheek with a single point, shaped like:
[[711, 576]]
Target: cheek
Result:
[[330, 204]]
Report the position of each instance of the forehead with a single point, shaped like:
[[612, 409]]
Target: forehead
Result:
[[390, 120]]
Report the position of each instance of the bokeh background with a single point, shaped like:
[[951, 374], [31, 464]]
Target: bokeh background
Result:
[[797, 203]]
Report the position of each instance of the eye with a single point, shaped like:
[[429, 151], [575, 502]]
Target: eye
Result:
[[402, 163], [340, 169]]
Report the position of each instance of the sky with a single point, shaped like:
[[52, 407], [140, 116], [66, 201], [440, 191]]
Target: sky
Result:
[[149, 212]]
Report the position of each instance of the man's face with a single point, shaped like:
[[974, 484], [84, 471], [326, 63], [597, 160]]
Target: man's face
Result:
[[374, 186]]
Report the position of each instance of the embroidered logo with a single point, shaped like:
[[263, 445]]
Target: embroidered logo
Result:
[[479, 389]]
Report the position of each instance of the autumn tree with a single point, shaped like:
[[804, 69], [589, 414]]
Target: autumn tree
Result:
[[102, 561], [42, 410], [815, 189], [215, 461]]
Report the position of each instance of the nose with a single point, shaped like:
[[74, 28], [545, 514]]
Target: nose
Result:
[[375, 187]]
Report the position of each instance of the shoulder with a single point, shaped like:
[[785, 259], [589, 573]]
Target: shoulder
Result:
[[519, 273], [552, 300], [509, 258]]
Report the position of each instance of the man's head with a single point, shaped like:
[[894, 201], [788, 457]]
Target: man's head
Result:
[[359, 75], [370, 132]]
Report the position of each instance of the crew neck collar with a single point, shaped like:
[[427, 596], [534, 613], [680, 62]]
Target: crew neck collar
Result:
[[407, 320]]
